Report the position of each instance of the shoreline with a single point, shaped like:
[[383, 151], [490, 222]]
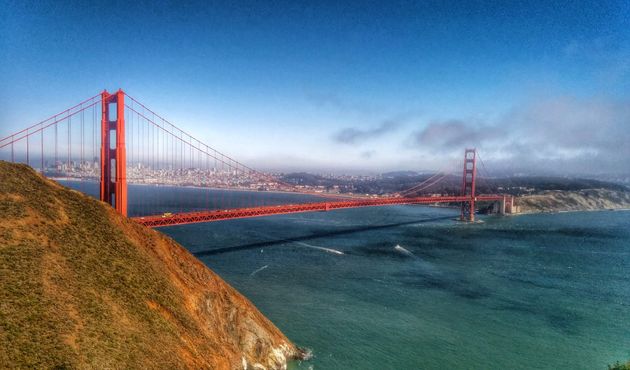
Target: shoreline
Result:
[[570, 211], [78, 179]]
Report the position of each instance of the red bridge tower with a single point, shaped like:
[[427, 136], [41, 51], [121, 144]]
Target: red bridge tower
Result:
[[468, 185], [113, 153]]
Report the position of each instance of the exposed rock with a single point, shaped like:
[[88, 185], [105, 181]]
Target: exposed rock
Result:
[[579, 200]]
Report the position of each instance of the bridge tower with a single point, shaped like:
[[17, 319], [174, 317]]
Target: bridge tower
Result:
[[113, 152], [468, 185]]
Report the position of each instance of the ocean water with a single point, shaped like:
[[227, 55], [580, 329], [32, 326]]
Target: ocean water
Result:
[[408, 287]]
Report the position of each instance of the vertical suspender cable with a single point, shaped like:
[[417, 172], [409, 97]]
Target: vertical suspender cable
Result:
[[181, 146], [172, 169], [69, 142], [27, 149], [215, 182], [155, 159], [205, 172], [150, 164], [81, 164], [42, 149], [93, 133], [82, 141], [141, 164], [56, 145]]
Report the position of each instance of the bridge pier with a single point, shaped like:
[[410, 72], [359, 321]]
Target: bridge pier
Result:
[[509, 205], [505, 205], [501, 208]]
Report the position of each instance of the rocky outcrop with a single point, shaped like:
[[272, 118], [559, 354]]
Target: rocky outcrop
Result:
[[579, 200], [83, 287]]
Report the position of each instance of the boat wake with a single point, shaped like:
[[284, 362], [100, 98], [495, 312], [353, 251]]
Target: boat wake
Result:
[[329, 250], [403, 251], [302, 244], [258, 270]]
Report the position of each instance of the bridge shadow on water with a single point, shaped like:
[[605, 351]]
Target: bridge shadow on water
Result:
[[348, 231]]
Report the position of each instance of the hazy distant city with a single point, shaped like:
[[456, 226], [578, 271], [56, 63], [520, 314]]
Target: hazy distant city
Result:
[[212, 178], [373, 185]]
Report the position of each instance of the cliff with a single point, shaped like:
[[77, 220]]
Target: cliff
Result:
[[579, 200], [83, 287]]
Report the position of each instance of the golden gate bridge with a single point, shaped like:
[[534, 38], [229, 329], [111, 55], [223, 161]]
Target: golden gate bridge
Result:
[[115, 140]]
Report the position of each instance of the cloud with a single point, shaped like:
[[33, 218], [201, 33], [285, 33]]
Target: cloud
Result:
[[566, 134], [354, 135], [359, 135], [454, 133], [368, 154]]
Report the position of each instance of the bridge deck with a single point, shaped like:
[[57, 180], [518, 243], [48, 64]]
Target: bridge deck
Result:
[[229, 214]]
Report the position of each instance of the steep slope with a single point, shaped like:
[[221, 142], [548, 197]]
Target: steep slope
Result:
[[83, 287], [579, 200]]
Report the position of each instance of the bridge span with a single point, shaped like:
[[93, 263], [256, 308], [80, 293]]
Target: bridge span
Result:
[[116, 138], [236, 213]]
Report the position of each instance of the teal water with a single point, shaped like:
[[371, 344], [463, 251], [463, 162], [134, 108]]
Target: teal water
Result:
[[545, 291], [537, 291]]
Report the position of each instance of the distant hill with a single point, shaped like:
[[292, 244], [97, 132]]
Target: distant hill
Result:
[[304, 178], [83, 287], [508, 185], [395, 174], [520, 185], [393, 182]]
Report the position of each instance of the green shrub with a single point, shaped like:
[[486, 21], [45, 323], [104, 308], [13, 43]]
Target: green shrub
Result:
[[619, 366]]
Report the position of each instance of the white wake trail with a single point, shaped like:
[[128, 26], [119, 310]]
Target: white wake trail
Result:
[[258, 270], [403, 251], [329, 250]]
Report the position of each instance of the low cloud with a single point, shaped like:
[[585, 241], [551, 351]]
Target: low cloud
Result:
[[355, 135], [368, 154], [454, 134], [565, 134]]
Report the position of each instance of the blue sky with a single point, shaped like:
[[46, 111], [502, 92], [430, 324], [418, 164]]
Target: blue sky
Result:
[[353, 86]]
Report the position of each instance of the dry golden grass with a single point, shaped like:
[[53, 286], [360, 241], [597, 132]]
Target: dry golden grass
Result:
[[82, 287]]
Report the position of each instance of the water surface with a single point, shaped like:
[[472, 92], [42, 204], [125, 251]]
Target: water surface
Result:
[[407, 287]]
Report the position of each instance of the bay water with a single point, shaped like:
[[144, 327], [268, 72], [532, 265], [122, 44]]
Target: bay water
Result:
[[409, 287]]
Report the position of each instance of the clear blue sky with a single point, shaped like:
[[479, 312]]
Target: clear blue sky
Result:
[[361, 86]]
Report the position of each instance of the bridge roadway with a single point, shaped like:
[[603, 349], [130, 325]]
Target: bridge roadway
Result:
[[229, 214]]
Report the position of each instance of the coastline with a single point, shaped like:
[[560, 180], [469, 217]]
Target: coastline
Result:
[[568, 211], [556, 201], [203, 187]]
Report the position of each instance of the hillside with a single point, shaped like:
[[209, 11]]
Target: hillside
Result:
[[581, 200], [83, 287]]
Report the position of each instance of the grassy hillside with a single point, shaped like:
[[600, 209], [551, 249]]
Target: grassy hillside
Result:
[[82, 287]]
